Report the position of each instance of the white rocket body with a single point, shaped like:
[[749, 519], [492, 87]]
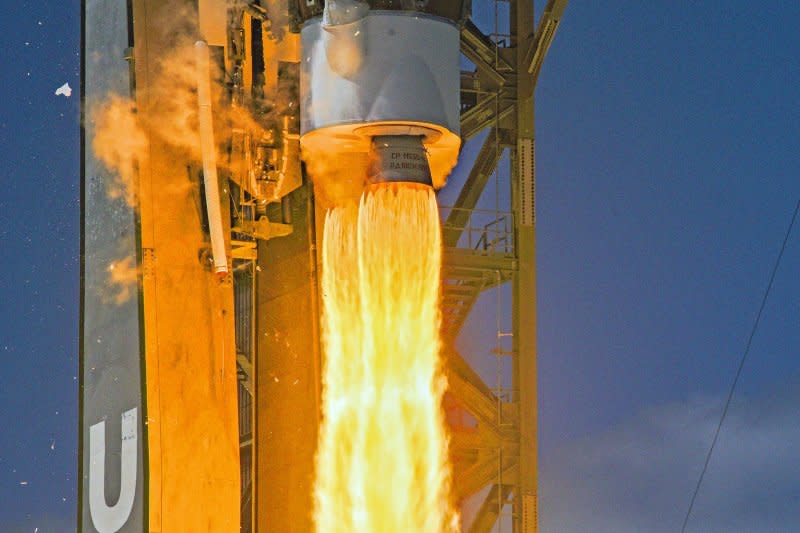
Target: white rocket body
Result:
[[385, 74]]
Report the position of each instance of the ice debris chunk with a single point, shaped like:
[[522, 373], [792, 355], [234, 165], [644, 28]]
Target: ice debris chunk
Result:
[[65, 90]]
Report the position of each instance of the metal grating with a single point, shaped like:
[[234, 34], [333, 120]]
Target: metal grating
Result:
[[244, 321]]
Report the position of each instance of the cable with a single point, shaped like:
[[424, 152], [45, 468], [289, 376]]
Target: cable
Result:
[[741, 365]]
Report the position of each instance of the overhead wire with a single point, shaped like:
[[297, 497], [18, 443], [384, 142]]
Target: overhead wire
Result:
[[741, 366]]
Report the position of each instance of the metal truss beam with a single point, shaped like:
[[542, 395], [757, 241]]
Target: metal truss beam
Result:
[[499, 95], [464, 443], [470, 389], [490, 508], [469, 259], [485, 164], [472, 442], [545, 31], [492, 452], [485, 54], [485, 113], [467, 273], [484, 471]]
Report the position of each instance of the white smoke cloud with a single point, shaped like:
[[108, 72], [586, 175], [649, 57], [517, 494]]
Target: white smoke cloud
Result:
[[639, 477], [122, 135]]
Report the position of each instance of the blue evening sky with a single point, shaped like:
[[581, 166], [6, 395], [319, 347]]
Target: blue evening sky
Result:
[[668, 165]]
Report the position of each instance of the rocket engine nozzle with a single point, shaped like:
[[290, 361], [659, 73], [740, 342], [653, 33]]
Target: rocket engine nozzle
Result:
[[398, 159], [390, 109]]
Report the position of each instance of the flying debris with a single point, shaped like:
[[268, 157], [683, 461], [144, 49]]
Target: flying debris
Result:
[[64, 90]]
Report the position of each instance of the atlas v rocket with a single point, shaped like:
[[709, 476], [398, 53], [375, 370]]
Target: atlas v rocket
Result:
[[200, 373]]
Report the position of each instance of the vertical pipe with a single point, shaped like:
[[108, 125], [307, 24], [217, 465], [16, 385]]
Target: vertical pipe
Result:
[[208, 149]]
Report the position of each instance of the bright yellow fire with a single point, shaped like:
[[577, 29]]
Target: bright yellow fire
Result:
[[382, 458]]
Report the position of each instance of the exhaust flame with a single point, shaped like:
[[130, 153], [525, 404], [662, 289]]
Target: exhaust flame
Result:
[[382, 456]]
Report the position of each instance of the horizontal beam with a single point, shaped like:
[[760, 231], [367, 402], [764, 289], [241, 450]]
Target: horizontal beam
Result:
[[468, 442], [462, 258], [243, 250]]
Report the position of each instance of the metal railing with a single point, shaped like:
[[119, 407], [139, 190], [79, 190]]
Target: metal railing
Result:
[[482, 230]]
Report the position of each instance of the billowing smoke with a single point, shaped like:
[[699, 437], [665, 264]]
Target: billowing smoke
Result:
[[335, 182], [123, 275], [122, 133], [119, 143], [278, 11]]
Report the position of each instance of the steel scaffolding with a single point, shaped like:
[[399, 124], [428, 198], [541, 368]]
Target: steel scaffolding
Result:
[[486, 250]]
